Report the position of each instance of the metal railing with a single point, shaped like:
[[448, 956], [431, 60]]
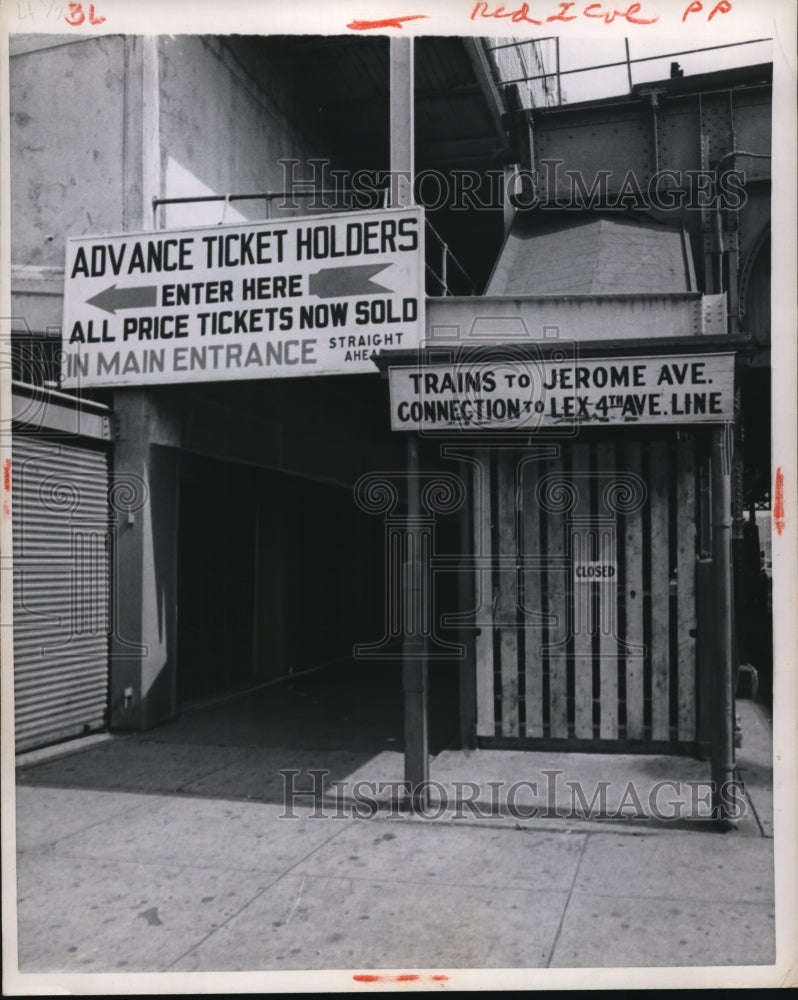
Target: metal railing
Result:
[[628, 62], [446, 257], [265, 196]]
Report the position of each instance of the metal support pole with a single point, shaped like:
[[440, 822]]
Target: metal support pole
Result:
[[722, 694], [628, 64], [559, 77], [401, 122], [655, 129], [466, 601], [414, 666]]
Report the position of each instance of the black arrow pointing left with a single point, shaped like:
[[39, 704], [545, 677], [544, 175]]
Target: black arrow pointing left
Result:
[[114, 298]]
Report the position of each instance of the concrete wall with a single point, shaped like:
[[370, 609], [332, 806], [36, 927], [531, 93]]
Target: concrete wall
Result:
[[68, 150], [101, 125], [67, 144], [144, 565], [228, 114]]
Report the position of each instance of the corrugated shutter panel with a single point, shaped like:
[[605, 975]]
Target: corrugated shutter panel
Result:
[[61, 589]]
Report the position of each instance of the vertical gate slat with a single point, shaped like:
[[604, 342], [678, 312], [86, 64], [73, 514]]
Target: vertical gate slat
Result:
[[508, 592], [608, 643], [633, 604], [686, 644], [659, 589], [582, 601], [557, 607], [484, 594], [533, 634]]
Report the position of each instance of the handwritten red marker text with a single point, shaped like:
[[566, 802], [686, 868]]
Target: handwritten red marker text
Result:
[[7, 488], [77, 16], [522, 14], [388, 22], [404, 977], [778, 504], [570, 11]]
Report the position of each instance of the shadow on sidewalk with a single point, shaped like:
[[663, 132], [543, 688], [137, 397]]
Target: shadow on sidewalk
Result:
[[344, 724], [334, 720]]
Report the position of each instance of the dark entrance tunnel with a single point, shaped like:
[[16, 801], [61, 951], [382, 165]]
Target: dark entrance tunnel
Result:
[[279, 577]]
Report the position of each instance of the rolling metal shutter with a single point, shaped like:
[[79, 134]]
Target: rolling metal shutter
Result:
[[61, 589]]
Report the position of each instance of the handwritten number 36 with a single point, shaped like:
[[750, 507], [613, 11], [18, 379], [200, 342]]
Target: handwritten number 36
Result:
[[76, 16]]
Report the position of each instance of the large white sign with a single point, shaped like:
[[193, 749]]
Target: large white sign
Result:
[[310, 296], [528, 394]]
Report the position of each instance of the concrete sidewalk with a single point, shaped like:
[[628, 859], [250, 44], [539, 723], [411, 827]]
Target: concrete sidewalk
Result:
[[149, 854]]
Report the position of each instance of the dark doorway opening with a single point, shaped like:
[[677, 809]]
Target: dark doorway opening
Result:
[[216, 580], [280, 575]]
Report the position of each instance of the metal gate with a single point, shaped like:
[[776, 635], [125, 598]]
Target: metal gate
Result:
[[61, 589], [587, 585]]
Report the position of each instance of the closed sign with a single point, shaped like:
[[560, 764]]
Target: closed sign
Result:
[[594, 572]]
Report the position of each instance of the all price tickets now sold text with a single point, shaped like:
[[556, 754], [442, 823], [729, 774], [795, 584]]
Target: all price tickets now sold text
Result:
[[360, 279]]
